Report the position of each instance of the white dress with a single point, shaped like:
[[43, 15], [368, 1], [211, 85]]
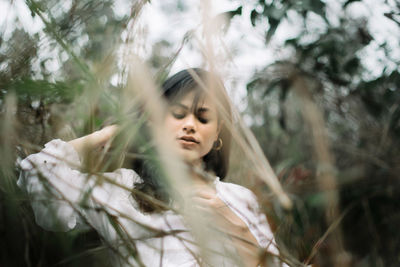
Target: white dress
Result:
[[63, 198]]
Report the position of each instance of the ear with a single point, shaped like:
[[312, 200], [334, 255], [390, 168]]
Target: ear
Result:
[[218, 131]]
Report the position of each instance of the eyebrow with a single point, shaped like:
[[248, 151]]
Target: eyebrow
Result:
[[180, 105], [202, 109]]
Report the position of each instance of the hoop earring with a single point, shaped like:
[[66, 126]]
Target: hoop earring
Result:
[[218, 144]]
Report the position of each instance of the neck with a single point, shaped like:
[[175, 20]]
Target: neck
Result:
[[200, 175]]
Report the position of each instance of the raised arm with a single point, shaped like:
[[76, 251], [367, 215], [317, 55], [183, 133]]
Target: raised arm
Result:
[[54, 181], [94, 141]]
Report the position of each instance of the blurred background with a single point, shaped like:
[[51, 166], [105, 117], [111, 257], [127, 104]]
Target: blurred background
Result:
[[317, 82]]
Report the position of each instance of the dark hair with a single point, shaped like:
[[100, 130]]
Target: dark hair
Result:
[[216, 161], [188, 80]]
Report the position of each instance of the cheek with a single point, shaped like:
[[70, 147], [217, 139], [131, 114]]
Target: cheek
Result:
[[210, 135], [171, 124]]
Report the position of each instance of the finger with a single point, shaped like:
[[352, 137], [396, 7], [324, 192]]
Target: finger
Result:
[[204, 192], [103, 136], [201, 201], [199, 193], [215, 204], [109, 131]]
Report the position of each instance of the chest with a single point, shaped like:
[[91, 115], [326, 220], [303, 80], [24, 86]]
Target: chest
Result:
[[164, 239]]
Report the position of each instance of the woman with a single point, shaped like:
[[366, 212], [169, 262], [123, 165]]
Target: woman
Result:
[[141, 234]]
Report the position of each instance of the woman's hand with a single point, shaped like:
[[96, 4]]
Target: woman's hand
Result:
[[206, 199], [91, 147]]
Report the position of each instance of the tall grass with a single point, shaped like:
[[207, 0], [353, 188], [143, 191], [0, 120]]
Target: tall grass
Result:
[[34, 112], [133, 103]]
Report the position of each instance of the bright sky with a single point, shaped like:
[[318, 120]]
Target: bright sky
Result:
[[245, 47], [244, 44]]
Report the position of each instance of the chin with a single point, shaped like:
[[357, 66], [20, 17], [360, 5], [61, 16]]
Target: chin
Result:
[[189, 155]]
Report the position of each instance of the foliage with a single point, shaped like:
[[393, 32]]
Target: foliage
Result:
[[360, 111], [45, 72], [359, 106]]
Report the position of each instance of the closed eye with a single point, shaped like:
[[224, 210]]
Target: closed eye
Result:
[[202, 120], [178, 115], [202, 115], [178, 111]]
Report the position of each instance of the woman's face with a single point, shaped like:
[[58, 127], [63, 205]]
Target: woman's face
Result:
[[194, 129]]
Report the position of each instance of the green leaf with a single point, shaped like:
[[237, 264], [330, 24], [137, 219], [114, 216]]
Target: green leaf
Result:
[[318, 7], [273, 25], [253, 17], [60, 92], [349, 2], [252, 85], [352, 65], [272, 85]]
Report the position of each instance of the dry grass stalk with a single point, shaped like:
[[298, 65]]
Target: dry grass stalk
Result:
[[326, 170], [8, 141], [140, 88]]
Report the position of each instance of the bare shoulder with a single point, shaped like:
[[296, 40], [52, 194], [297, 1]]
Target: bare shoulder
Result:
[[235, 192]]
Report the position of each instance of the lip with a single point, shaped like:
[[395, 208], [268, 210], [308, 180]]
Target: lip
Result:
[[188, 139]]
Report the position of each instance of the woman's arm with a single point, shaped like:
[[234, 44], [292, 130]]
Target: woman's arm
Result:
[[54, 182], [89, 146], [94, 140]]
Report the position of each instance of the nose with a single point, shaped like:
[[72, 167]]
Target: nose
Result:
[[189, 124]]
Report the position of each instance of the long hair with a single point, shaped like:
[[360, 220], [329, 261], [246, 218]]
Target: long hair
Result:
[[188, 80], [217, 160]]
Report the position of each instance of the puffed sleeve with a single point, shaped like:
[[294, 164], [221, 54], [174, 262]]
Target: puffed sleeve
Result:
[[53, 182], [61, 196]]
